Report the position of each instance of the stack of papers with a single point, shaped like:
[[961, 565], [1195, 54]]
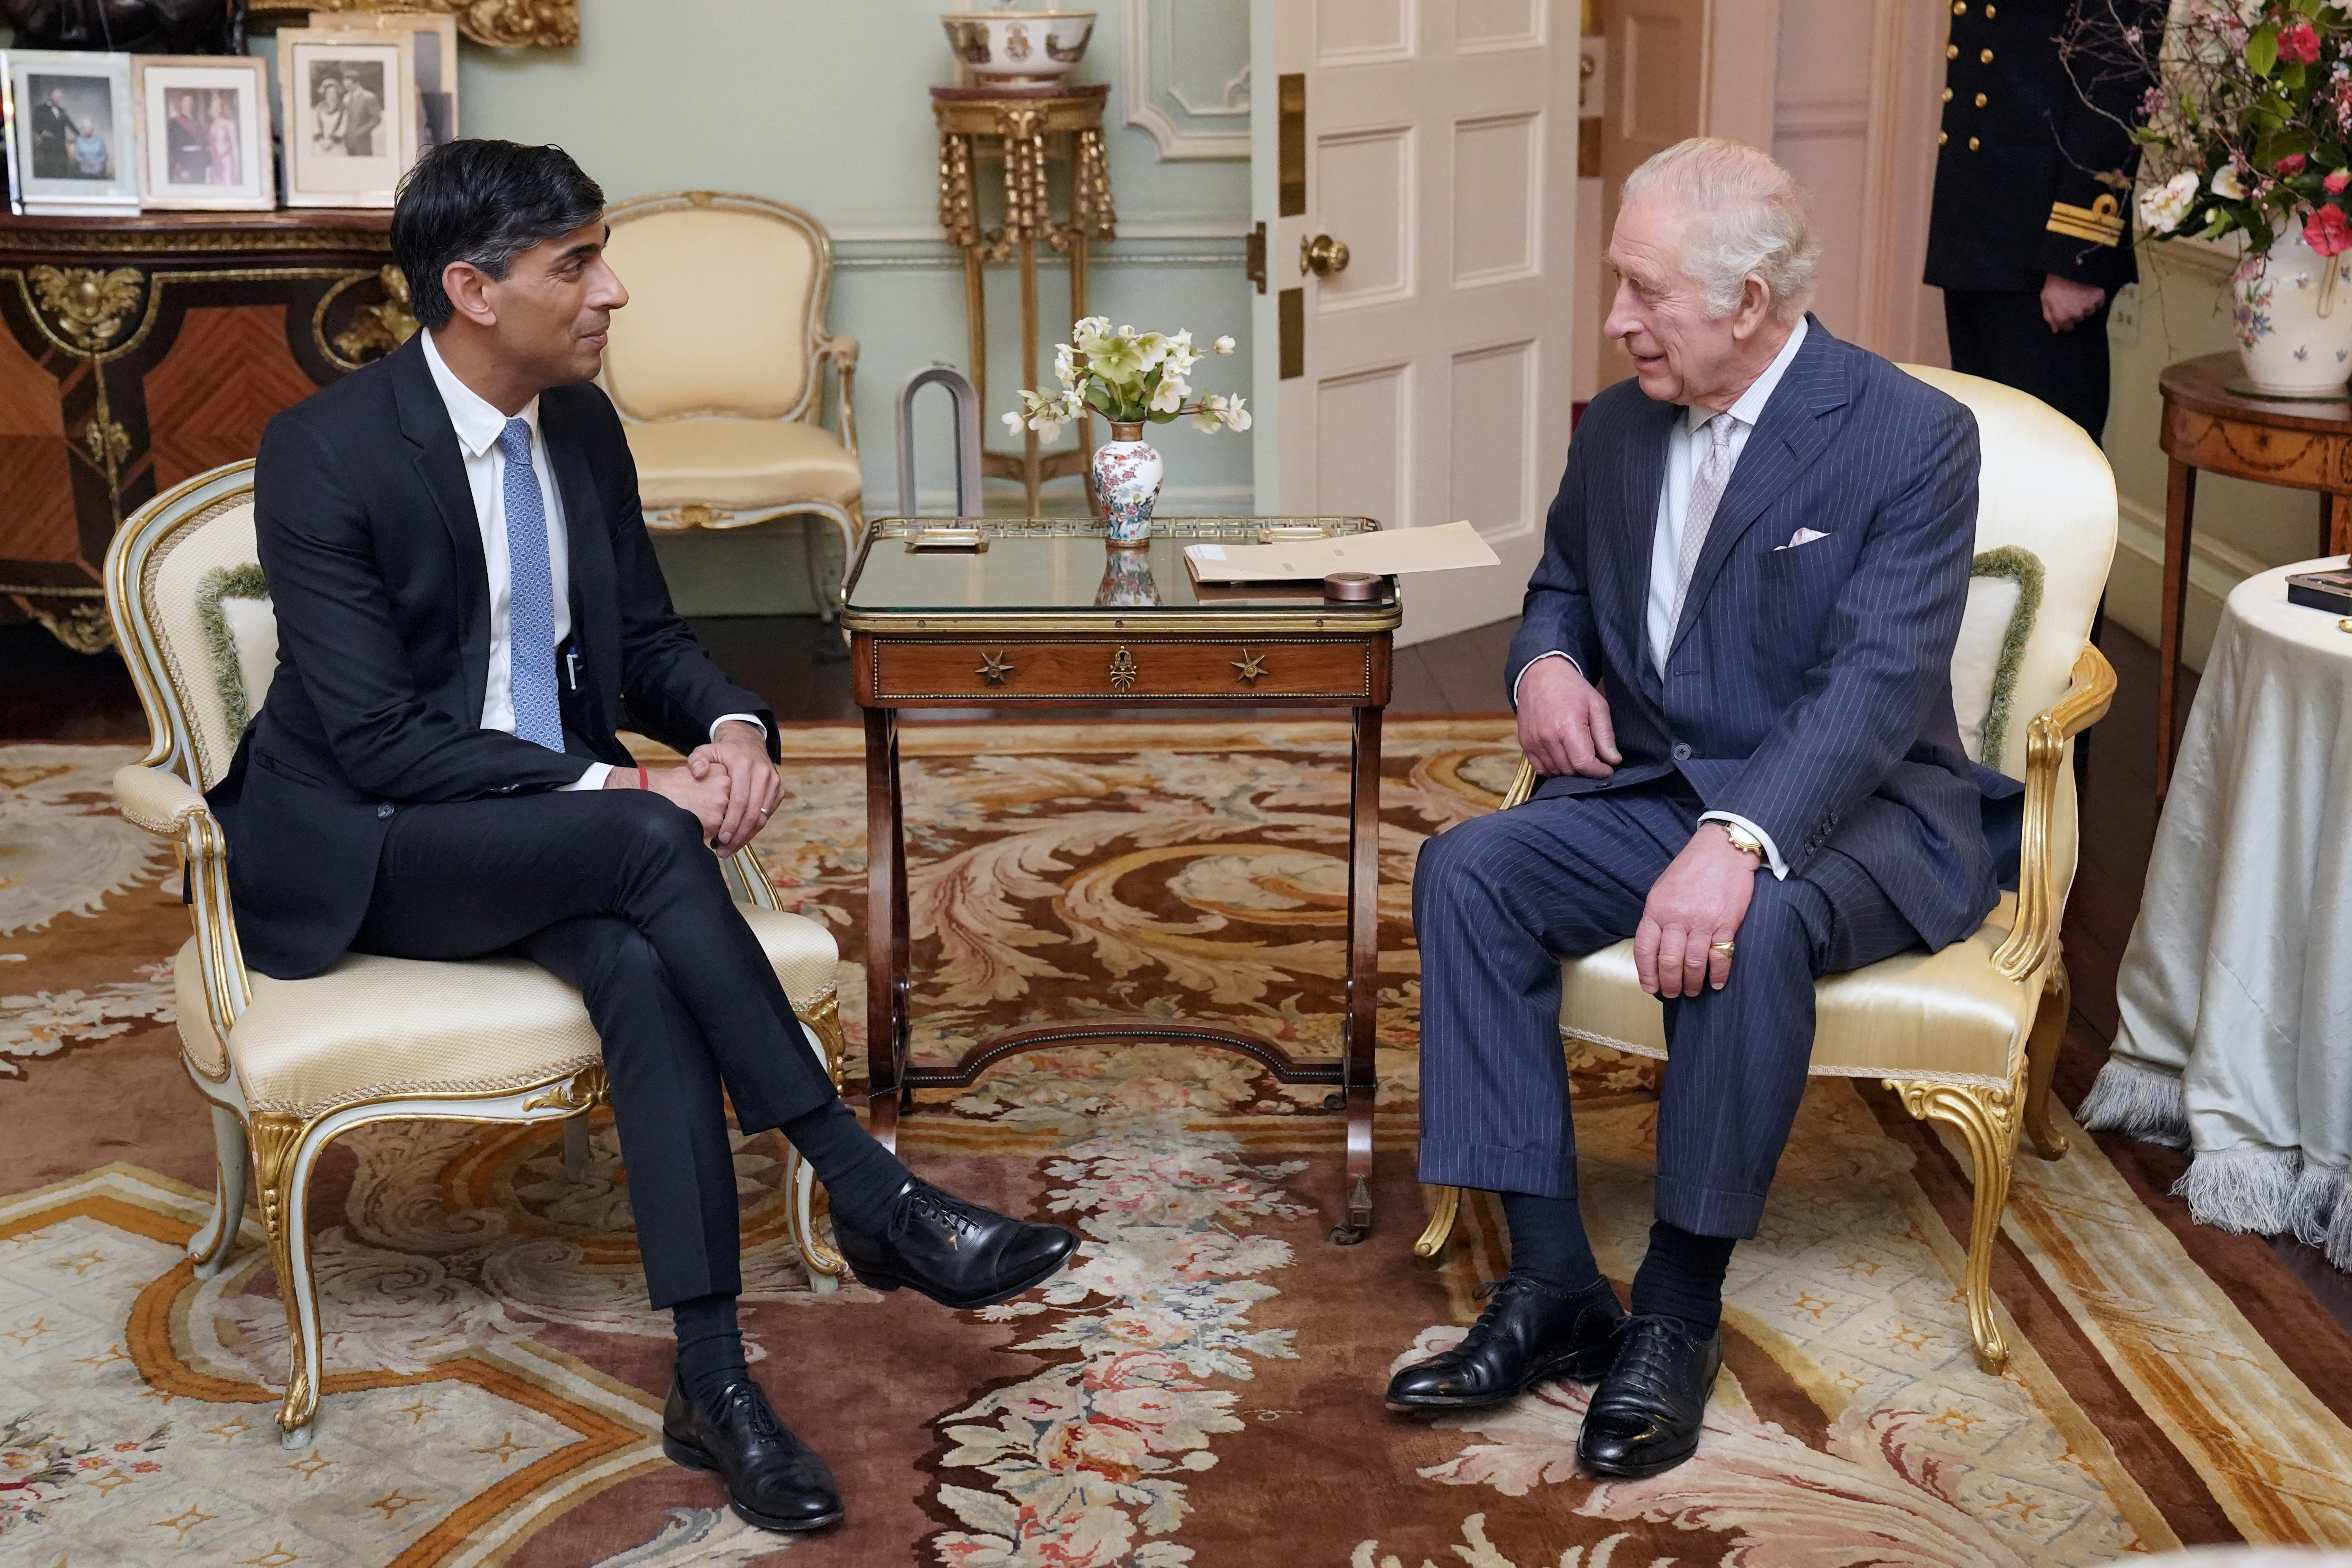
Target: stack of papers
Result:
[[1385, 553]]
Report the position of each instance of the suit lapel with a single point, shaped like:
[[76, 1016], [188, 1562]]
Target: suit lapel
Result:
[[441, 467], [588, 550], [1629, 580], [1787, 438]]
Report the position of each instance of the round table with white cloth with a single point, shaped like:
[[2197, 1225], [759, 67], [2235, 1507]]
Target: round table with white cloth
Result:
[[2236, 989]]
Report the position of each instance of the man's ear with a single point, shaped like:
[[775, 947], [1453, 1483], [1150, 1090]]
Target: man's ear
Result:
[[467, 286], [1755, 307]]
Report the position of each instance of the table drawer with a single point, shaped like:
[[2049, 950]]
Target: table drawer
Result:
[[1335, 669]]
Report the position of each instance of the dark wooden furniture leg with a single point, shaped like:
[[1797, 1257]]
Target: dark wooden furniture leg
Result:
[[2335, 524], [2179, 515], [1362, 1076], [886, 921]]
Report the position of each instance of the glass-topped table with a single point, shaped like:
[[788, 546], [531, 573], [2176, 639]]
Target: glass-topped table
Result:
[[961, 613]]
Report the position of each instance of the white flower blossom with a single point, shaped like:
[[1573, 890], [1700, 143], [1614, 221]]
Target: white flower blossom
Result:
[[2226, 183], [2163, 207], [1224, 345]]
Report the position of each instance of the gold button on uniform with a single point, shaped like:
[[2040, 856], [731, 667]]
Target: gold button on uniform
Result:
[[1973, 143], [1947, 95], [1942, 137], [1951, 51], [1989, 13], [1985, 58], [1959, 7], [1980, 100]]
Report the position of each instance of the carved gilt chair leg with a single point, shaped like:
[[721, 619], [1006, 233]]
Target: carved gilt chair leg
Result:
[[575, 1147], [1988, 1119], [1440, 1229], [2042, 1062], [282, 1174], [211, 1246]]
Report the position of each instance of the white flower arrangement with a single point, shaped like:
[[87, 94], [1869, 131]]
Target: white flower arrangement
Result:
[[1130, 378]]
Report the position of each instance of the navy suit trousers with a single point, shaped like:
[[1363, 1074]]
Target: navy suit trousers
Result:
[[1499, 900], [614, 891]]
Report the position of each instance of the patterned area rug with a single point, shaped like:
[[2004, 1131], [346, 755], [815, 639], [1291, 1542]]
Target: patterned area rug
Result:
[[1202, 1387]]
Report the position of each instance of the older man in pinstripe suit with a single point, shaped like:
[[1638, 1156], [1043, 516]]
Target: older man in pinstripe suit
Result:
[[1734, 670]]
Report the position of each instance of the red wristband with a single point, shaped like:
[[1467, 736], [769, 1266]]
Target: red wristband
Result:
[[643, 782]]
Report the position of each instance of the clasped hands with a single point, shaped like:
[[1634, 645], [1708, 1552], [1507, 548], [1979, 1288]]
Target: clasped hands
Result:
[[728, 784], [1701, 898]]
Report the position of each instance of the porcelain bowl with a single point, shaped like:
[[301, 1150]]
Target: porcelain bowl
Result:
[[1016, 46]]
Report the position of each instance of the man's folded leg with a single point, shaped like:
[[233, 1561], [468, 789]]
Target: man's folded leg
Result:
[[1496, 902]]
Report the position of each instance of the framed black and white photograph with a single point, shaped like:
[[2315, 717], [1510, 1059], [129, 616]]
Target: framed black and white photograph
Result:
[[348, 102], [204, 133], [434, 37], [73, 139]]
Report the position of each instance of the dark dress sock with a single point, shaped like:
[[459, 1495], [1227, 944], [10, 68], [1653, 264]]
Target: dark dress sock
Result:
[[709, 1347], [1548, 1241], [1682, 1276], [862, 1178]]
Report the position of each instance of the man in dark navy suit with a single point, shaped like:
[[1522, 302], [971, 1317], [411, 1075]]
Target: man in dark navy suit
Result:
[[1734, 670], [466, 605]]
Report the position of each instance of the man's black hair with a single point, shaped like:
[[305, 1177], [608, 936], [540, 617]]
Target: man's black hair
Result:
[[484, 203]]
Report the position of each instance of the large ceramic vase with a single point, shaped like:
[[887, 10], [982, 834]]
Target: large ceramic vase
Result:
[[1126, 477], [2292, 308]]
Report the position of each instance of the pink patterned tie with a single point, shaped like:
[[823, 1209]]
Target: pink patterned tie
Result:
[[1706, 493]]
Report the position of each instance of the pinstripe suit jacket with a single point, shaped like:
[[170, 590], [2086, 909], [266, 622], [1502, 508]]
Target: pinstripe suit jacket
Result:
[[1807, 689]]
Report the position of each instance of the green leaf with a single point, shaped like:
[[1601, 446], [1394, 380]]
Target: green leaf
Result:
[[2262, 49]]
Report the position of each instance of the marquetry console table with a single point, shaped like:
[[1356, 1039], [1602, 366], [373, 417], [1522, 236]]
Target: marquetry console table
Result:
[[2304, 445], [139, 351], [1047, 615], [1022, 130]]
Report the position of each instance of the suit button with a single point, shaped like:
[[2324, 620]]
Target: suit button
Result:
[[1951, 51], [1681, 750], [384, 811]]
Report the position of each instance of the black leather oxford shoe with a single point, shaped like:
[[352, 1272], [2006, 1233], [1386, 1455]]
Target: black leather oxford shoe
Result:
[[1644, 1417], [774, 1479], [957, 1253], [1529, 1333]]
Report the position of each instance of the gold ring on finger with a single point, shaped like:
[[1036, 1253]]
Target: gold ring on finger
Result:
[[1722, 947]]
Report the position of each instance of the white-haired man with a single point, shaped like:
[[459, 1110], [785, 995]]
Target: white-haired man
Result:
[[1734, 671]]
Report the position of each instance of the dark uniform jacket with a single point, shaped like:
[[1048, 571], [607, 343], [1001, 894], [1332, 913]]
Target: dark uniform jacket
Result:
[[2030, 178]]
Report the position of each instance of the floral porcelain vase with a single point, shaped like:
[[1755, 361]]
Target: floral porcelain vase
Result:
[[2292, 308], [1126, 477]]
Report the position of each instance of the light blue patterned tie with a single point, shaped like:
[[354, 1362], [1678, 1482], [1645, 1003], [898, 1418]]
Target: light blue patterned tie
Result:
[[531, 621]]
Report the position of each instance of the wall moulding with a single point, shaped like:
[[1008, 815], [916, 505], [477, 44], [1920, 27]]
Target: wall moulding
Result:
[[1185, 77]]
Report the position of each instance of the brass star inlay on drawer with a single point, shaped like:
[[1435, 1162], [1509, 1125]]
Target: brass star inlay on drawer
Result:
[[1249, 668], [994, 668]]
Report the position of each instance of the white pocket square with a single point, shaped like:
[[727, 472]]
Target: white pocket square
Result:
[[1802, 536]]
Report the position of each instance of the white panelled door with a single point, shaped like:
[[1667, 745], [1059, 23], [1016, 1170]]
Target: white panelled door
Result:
[[1427, 361]]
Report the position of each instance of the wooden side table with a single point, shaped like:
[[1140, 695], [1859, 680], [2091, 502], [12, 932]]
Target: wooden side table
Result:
[[2307, 446], [1022, 130], [1019, 625], [139, 351]]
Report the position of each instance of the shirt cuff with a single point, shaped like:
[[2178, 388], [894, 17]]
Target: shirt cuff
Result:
[[1538, 658], [593, 779], [751, 719], [1771, 850]]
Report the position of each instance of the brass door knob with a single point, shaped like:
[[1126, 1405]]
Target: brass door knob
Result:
[[1322, 256]]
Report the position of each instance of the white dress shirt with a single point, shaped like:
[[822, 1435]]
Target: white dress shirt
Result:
[[479, 425], [1686, 447]]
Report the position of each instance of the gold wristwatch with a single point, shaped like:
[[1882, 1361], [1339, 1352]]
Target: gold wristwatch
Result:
[[1741, 838]]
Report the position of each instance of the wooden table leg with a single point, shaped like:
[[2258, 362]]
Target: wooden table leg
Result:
[[975, 310], [885, 945], [2179, 515], [1363, 973], [2335, 524]]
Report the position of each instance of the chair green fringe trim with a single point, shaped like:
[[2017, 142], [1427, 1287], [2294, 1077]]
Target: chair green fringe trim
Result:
[[245, 581], [2023, 567]]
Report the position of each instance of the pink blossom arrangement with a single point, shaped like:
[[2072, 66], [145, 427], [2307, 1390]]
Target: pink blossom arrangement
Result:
[[2251, 131]]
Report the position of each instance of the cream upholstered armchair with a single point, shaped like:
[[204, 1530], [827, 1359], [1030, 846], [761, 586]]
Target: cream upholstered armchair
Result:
[[1970, 1034], [716, 366], [287, 1067]]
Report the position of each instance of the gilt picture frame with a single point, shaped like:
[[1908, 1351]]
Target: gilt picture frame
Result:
[[73, 131], [203, 133], [348, 114]]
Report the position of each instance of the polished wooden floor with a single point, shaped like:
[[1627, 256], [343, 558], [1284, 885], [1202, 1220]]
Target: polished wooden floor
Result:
[[50, 693]]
